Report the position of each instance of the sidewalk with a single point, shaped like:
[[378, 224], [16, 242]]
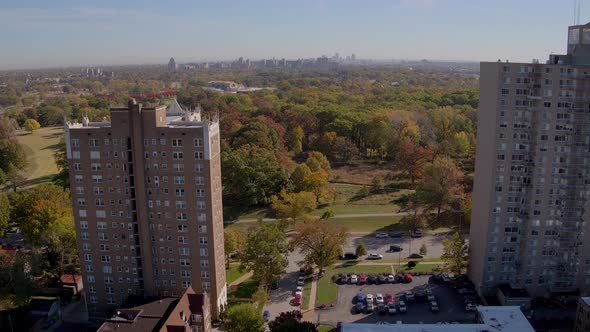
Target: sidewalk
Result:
[[309, 315], [241, 279]]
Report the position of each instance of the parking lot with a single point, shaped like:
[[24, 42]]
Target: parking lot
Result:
[[451, 304], [381, 245]]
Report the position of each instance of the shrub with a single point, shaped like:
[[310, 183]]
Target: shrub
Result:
[[412, 264]]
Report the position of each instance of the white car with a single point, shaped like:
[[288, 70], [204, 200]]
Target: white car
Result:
[[301, 281], [354, 279], [298, 292], [470, 307], [409, 296], [434, 306], [381, 235], [375, 256], [369, 298], [379, 298], [391, 279], [402, 307]]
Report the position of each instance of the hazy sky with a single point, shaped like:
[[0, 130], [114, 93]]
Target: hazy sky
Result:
[[48, 33]]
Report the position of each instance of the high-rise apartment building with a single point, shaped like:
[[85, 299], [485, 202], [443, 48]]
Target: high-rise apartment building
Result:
[[146, 190], [532, 174]]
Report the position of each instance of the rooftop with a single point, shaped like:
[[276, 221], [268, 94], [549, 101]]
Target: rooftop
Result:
[[494, 319], [147, 317], [586, 300]]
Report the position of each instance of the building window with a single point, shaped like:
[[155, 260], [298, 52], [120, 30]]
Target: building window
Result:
[[94, 154], [177, 142], [179, 180], [180, 192], [185, 273], [202, 229], [200, 205], [204, 252], [75, 142], [177, 155], [203, 240], [93, 142], [199, 155], [75, 154], [204, 263], [200, 192], [185, 284], [199, 180]]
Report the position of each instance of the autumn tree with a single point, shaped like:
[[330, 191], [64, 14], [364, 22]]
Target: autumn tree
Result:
[[31, 125], [290, 321], [243, 317], [264, 252], [320, 242], [442, 184], [361, 250], [293, 206], [294, 140], [231, 243], [412, 158], [4, 215], [455, 254], [62, 178]]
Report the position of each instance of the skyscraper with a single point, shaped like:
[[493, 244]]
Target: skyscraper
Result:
[[172, 65], [146, 189], [532, 174]]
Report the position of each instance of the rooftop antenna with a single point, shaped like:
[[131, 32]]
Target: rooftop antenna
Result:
[[575, 10], [579, 11]]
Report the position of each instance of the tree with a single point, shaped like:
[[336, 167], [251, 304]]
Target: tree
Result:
[[455, 254], [243, 317], [329, 213], [294, 140], [377, 183], [265, 253], [293, 205], [62, 178], [320, 242], [231, 243], [316, 160], [12, 153], [32, 125], [442, 184], [14, 175], [361, 250], [423, 249], [4, 215], [412, 158], [290, 321], [7, 127], [299, 178], [251, 175]]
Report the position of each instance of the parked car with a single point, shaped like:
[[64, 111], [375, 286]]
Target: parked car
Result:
[[370, 298], [349, 255], [372, 279], [381, 279], [415, 255], [266, 315], [437, 277], [298, 292], [402, 307], [470, 307], [360, 297], [343, 278], [374, 255], [370, 307], [353, 280], [417, 233], [359, 307], [409, 296], [396, 234], [389, 297], [379, 298], [395, 248], [446, 278], [434, 306], [382, 308], [399, 278], [391, 279], [297, 300], [391, 308], [274, 285], [381, 235], [431, 298], [408, 278], [300, 281], [363, 279]]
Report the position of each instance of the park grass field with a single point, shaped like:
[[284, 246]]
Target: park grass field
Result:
[[233, 273], [40, 147]]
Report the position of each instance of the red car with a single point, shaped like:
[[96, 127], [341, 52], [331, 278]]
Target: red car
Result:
[[363, 279], [388, 298], [408, 278], [297, 300]]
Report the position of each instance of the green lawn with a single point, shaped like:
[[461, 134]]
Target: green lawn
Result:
[[233, 273], [245, 290], [40, 147], [306, 292], [370, 224], [325, 328]]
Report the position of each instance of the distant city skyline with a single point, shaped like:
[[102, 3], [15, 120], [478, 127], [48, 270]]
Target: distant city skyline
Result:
[[41, 34]]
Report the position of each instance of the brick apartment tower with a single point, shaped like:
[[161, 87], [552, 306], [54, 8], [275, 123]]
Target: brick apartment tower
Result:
[[146, 190], [532, 174]]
